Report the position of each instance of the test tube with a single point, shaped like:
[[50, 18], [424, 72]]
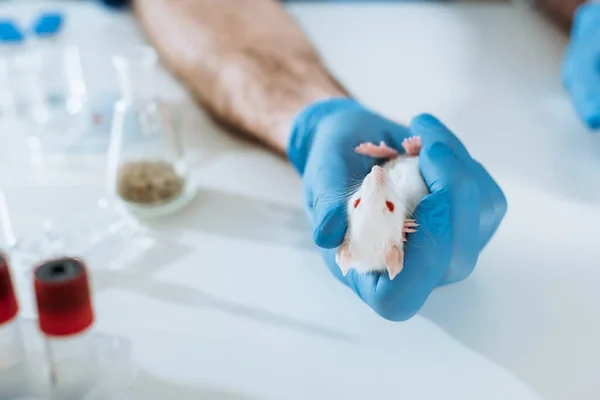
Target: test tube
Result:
[[57, 87], [7, 234], [12, 351], [12, 41], [65, 319], [61, 72]]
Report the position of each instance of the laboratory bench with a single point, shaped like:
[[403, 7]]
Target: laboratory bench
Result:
[[234, 301]]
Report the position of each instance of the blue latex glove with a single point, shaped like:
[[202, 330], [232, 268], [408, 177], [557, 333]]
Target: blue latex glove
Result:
[[456, 220], [581, 65]]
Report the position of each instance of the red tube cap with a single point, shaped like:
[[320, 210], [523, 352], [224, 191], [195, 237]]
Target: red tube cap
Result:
[[63, 297], [9, 307]]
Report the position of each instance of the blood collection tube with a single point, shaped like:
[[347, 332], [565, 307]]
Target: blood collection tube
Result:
[[65, 318], [12, 351]]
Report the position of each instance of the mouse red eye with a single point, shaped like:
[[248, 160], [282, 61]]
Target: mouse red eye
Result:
[[390, 206], [356, 202]]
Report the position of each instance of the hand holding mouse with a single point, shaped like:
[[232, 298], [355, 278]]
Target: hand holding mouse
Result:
[[456, 219]]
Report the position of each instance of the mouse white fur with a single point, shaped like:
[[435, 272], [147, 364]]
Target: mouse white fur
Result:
[[380, 212]]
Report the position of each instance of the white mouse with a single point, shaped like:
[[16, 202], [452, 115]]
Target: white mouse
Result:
[[380, 212]]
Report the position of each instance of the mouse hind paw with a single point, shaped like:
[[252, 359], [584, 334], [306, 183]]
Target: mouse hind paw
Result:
[[412, 145], [394, 261], [343, 258], [376, 151]]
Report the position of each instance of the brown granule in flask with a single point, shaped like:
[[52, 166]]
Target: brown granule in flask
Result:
[[148, 182]]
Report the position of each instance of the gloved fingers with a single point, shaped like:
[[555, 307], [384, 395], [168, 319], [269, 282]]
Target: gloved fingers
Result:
[[585, 21], [339, 170], [431, 130], [394, 134], [443, 171], [585, 94], [426, 257], [331, 225], [492, 202], [331, 185], [349, 129], [581, 67]]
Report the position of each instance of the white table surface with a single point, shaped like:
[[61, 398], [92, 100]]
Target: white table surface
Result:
[[238, 305]]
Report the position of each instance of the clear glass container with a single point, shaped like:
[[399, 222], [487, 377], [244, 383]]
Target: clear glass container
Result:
[[147, 172], [72, 370], [92, 366], [12, 353], [13, 373], [57, 94], [7, 234], [10, 95], [13, 96]]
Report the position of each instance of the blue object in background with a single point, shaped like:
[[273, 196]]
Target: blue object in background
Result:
[[581, 65], [116, 3], [456, 220], [48, 24], [10, 32]]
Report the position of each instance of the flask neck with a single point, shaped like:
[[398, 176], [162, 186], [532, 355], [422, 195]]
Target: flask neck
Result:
[[136, 74], [136, 87], [137, 98]]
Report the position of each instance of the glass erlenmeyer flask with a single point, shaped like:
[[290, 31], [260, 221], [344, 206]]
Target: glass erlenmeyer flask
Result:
[[147, 172]]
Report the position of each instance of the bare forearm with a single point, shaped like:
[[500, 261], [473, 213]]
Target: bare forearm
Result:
[[246, 62], [561, 12]]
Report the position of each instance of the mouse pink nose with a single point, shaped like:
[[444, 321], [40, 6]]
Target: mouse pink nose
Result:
[[378, 172]]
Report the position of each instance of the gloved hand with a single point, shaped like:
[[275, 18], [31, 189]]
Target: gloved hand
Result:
[[581, 64], [456, 220]]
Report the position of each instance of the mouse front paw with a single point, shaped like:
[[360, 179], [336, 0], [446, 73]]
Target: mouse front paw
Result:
[[376, 151], [412, 145], [409, 227]]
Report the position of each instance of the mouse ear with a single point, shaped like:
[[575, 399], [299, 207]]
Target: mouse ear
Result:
[[343, 257], [394, 260]]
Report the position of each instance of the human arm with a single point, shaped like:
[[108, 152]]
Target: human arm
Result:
[[560, 12], [248, 63]]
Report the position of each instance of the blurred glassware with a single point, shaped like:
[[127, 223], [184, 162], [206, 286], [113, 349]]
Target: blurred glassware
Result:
[[57, 94], [43, 116], [147, 174], [7, 235], [43, 96], [13, 95], [59, 88], [12, 349]]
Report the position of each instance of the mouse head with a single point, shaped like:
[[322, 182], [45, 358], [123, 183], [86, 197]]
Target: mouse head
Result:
[[376, 215], [375, 205]]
